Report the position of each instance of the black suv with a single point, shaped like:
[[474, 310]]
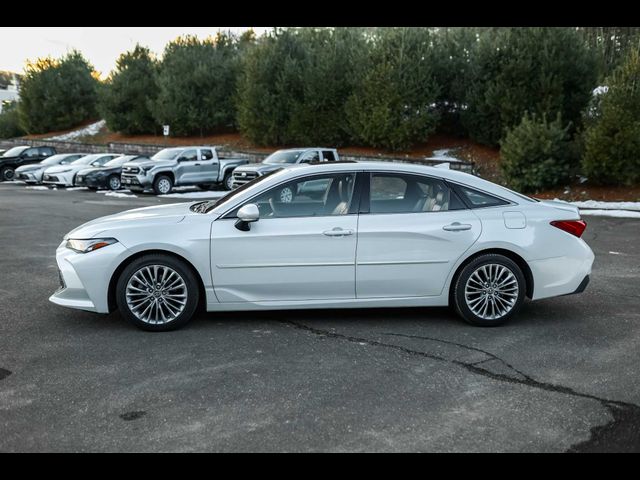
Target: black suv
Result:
[[18, 156]]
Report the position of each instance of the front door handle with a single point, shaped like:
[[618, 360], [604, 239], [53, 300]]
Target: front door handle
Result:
[[337, 232], [457, 227], [197, 164]]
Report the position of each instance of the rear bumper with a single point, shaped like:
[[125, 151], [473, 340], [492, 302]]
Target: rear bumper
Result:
[[564, 275]]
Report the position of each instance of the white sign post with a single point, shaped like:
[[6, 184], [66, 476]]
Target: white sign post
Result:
[[165, 132]]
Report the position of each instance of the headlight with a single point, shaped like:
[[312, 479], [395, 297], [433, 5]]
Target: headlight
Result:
[[145, 169], [88, 245]]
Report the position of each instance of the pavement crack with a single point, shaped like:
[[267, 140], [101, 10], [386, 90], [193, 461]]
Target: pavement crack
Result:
[[622, 430]]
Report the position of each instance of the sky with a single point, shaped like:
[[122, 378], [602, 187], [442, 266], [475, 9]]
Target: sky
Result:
[[100, 45]]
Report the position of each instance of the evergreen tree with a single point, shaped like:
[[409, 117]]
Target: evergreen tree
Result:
[[393, 106], [127, 95], [9, 121], [57, 94], [612, 136], [517, 70], [197, 84]]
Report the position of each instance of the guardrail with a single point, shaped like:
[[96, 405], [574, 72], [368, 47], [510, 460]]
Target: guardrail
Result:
[[150, 149]]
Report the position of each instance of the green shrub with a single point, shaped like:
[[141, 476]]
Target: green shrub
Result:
[[9, 121], [612, 137], [537, 154]]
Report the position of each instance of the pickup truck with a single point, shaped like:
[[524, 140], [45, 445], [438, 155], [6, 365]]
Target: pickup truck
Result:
[[282, 158], [180, 166]]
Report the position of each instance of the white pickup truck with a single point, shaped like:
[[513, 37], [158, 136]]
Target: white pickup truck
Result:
[[282, 158], [178, 166]]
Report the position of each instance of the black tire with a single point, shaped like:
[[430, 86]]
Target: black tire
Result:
[[113, 182], [227, 182], [182, 269], [159, 185], [7, 174], [460, 284]]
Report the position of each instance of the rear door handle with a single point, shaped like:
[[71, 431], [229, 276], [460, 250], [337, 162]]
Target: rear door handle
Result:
[[457, 227], [197, 164], [337, 232]]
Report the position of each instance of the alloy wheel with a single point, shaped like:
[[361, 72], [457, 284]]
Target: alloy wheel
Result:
[[491, 291], [156, 294]]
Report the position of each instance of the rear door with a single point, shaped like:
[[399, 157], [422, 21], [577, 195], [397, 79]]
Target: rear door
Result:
[[411, 231], [209, 166]]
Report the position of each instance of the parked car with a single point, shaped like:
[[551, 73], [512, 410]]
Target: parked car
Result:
[[171, 167], [280, 158], [33, 173], [425, 237], [107, 175], [24, 155], [64, 175]]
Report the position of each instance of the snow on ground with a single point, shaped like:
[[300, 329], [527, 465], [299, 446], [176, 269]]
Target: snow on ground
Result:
[[443, 154], [593, 204], [38, 187], [71, 189], [92, 129], [611, 213], [194, 195]]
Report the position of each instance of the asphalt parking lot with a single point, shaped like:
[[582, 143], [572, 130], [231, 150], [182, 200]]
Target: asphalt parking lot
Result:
[[563, 376]]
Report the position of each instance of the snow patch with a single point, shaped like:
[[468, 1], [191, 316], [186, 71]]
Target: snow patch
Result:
[[89, 130], [593, 204], [37, 187], [72, 189], [443, 154], [119, 194]]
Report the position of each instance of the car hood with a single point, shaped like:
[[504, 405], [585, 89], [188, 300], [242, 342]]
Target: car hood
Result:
[[7, 159], [150, 163], [61, 168], [260, 167], [146, 216], [30, 168]]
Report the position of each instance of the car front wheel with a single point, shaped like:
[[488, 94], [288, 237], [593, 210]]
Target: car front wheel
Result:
[[157, 293], [489, 290], [114, 182], [162, 185]]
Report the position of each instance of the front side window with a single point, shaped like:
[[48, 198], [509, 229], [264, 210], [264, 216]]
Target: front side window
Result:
[[283, 156], [189, 156], [318, 195], [406, 193]]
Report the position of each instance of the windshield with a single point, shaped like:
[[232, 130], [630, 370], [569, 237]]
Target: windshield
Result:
[[283, 156], [167, 154], [211, 204], [12, 152], [86, 160], [53, 160], [118, 161], [69, 159]]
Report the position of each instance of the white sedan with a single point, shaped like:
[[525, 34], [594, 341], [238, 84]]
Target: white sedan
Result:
[[33, 173], [65, 175], [379, 235]]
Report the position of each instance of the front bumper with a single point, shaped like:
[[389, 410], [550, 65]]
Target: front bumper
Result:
[[63, 179], [136, 180], [85, 277], [29, 177], [91, 181], [242, 177]]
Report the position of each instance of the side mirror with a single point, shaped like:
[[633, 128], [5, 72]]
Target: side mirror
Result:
[[246, 215]]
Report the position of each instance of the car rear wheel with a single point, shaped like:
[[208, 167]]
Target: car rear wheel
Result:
[[7, 174], [162, 185], [489, 290], [157, 293], [114, 182]]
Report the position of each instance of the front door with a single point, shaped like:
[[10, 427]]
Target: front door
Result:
[[301, 249], [413, 233], [188, 169]]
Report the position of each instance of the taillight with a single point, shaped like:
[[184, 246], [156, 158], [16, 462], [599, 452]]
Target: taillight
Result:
[[574, 227]]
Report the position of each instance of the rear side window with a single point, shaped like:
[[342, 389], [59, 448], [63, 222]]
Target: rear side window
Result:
[[406, 193], [328, 156], [206, 154], [478, 199], [46, 151]]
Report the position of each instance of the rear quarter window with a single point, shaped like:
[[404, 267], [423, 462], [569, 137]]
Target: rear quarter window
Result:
[[477, 199]]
